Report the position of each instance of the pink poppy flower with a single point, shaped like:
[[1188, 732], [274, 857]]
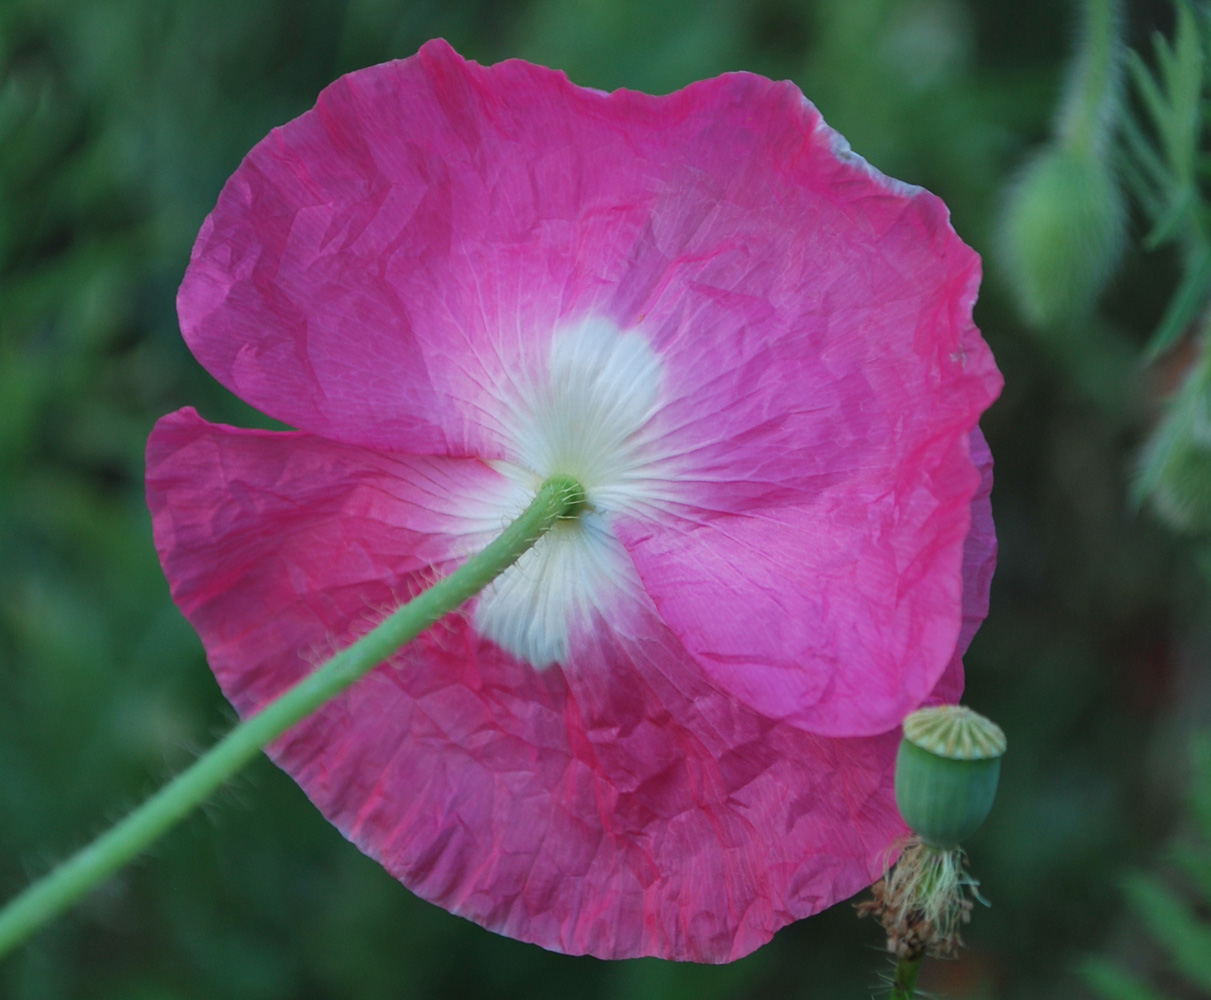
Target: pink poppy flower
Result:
[[670, 729]]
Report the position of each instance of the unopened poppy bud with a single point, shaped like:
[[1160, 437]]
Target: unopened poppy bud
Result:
[[946, 772], [1062, 234]]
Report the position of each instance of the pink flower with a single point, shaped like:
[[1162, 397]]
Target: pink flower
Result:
[[670, 729]]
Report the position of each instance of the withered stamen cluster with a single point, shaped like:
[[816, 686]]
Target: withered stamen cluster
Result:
[[923, 902]]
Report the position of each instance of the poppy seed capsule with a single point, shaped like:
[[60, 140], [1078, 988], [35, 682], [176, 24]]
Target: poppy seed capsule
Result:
[[946, 772]]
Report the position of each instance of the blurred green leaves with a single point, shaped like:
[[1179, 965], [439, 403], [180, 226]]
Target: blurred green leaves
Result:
[[1175, 472], [1064, 224], [1113, 983], [1163, 169], [1176, 920]]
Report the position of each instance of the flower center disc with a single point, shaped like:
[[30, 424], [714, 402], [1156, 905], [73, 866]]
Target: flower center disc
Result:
[[587, 412]]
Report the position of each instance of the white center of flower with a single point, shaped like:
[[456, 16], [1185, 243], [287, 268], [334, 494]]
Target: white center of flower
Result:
[[586, 411]]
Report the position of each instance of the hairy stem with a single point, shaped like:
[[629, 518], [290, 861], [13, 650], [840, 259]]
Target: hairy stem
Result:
[[559, 497], [904, 985], [1087, 116]]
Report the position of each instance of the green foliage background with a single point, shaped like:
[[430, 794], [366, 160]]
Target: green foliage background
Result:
[[119, 122]]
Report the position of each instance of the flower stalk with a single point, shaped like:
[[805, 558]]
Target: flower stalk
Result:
[[904, 984], [1065, 220], [1090, 106], [560, 497]]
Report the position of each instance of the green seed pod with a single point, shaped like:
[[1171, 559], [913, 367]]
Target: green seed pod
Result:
[[946, 772]]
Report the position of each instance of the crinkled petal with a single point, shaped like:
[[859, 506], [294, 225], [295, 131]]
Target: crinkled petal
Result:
[[393, 269], [620, 806], [979, 562], [842, 616], [979, 549], [258, 530], [387, 268]]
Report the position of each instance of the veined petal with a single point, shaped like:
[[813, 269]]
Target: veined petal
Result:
[[979, 562], [979, 549], [387, 267], [620, 807], [246, 521], [862, 594]]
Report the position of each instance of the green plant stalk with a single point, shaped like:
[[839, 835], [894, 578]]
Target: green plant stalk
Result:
[[559, 497], [1093, 89], [904, 986]]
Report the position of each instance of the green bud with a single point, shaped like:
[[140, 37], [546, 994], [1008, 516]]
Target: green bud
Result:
[[1061, 234], [946, 772]]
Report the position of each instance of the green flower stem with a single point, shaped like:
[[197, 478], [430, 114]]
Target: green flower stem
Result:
[[904, 986], [1093, 88], [559, 497]]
